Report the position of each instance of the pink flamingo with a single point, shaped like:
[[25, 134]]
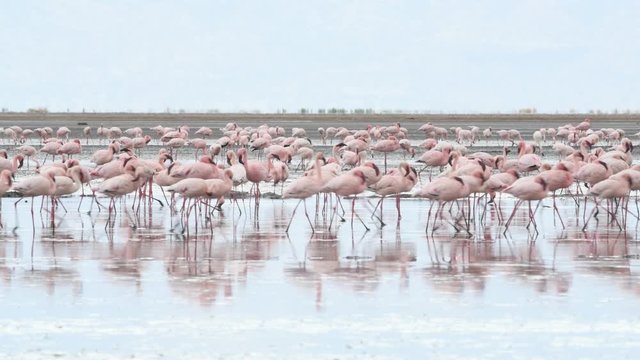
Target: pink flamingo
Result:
[[239, 176], [87, 134], [527, 188], [12, 165], [444, 190], [395, 183], [612, 188], [38, 185], [593, 172], [351, 183], [189, 189], [278, 172], [558, 178], [111, 169], [51, 148], [527, 161], [370, 171], [69, 184], [176, 143], [5, 181], [433, 158], [121, 185], [204, 131], [63, 132], [141, 142], [198, 144], [103, 156], [27, 151], [391, 144], [70, 148], [205, 168], [257, 172], [218, 188], [304, 187], [500, 181]]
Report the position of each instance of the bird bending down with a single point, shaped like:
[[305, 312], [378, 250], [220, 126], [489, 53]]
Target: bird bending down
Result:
[[394, 183], [527, 188], [351, 183]]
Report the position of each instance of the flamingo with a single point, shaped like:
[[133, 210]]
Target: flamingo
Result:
[[27, 151], [257, 172], [527, 188], [121, 185], [351, 183], [239, 176], [103, 156], [6, 180], [37, 185], [69, 184], [391, 144], [51, 148], [205, 168], [278, 172], [12, 165], [433, 158], [444, 190], [218, 188], [87, 134], [612, 188], [395, 183], [304, 187]]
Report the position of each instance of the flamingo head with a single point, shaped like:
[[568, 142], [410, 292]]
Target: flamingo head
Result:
[[360, 174], [541, 181], [20, 160], [164, 157]]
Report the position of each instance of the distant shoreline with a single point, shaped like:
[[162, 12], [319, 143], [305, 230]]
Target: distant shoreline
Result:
[[185, 117]]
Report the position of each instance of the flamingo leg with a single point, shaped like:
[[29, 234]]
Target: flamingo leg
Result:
[[292, 215], [304, 201], [513, 213]]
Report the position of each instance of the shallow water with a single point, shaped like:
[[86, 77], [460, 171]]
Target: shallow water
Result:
[[238, 286], [245, 289]]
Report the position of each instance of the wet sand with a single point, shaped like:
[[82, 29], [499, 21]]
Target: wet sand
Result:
[[242, 288]]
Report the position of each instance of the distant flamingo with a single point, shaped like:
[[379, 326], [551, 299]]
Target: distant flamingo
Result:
[[87, 134], [391, 144]]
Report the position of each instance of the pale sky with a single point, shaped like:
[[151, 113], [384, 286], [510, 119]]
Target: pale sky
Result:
[[449, 56]]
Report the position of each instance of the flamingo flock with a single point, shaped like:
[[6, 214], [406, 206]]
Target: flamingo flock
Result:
[[588, 164]]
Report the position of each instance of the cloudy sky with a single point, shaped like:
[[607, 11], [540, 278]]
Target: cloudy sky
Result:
[[450, 56]]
